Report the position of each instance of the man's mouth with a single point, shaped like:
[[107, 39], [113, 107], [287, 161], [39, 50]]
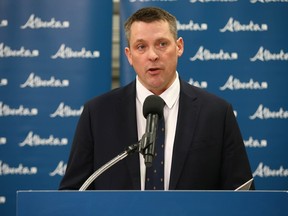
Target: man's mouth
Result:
[[153, 69]]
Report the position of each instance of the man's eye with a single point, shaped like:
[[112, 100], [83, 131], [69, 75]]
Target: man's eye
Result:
[[163, 44], [140, 47]]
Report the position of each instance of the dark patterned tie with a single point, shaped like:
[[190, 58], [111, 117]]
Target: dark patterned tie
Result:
[[155, 173]]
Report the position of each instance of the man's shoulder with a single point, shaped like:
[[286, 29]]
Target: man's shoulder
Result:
[[112, 96], [200, 94]]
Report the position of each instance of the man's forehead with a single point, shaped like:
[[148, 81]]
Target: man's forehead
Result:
[[151, 27]]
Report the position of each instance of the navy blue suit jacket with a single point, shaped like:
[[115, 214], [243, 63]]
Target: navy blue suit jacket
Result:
[[208, 153]]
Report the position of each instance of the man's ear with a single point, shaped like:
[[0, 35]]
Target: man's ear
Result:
[[180, 46], [128, 55]]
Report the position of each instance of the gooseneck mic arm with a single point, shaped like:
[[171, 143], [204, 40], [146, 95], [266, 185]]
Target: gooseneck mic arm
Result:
[[130, 150]]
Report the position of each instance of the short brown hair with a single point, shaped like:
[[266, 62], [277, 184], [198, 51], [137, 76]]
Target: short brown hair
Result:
[[148, 15]]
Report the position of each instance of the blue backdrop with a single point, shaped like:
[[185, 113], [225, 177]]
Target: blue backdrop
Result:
[[239, 51], [54, 56]]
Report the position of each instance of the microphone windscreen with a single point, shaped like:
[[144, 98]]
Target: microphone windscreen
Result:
[[153, 104]]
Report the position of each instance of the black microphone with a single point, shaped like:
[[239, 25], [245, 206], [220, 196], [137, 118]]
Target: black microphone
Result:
[[152, 111]]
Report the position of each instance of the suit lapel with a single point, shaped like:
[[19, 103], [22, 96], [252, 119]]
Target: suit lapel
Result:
[[129, 132], [186, 123]]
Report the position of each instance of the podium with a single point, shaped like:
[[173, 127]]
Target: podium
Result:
[[150, 203]]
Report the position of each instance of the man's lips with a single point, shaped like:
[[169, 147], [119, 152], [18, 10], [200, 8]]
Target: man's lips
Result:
[[154, 70]]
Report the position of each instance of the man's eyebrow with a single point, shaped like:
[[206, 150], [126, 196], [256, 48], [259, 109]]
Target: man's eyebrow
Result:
[[139, 40]]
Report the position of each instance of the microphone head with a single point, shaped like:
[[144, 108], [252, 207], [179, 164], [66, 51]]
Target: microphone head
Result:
[[153, 104]]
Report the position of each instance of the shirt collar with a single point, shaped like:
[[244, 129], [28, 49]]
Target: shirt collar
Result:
[[170, 95]]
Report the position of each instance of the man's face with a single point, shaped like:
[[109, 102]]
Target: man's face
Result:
[[154, 53]]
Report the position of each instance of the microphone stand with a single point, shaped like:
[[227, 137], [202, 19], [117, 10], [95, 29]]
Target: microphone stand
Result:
[[138, 147]]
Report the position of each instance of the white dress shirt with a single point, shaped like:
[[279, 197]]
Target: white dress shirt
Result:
[[171, 98]]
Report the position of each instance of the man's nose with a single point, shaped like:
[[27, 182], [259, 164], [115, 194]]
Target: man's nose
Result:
[[153, 55]]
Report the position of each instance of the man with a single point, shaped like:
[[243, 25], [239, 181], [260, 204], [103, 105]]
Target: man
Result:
[[204, 149]]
